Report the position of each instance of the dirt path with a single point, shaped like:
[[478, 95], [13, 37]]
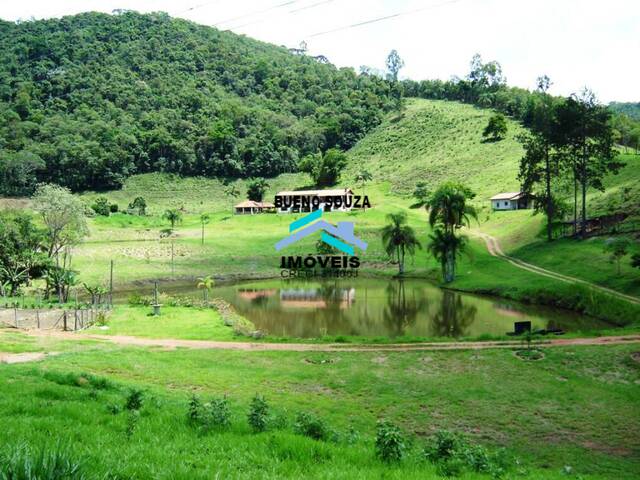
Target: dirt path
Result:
[[493, 246], [22, 357], [172, 343]]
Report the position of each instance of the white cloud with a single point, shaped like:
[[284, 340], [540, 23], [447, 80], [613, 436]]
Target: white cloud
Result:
[[575, 42]]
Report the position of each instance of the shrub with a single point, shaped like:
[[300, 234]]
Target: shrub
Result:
[[101, 206], [444, 446], [390, 443], [194, 413], [311, 426], [23, 462], [134, 399], [138, 206], [452, 467], [113, 208], [219, 413], [258, 414], [452, 454]]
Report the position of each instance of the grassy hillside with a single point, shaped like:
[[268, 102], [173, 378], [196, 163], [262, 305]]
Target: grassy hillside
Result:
[[433, 141]]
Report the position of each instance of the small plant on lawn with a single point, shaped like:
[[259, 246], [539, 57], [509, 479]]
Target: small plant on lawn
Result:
[[452, 454], [134, 399], [219, 412], [258, 414], [390, 443], [194, 413], [617, 248], [528, 338], [311, 426]]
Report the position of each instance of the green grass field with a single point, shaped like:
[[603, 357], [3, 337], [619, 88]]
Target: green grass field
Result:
[[577, 407], [431, 141]]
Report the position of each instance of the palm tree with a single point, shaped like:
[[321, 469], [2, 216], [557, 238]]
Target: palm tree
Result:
[[363, 176], [206, 284], [448, 206], [445, 248], [174, 216], [448, 212], [399, 238], [204, 219], [14, 275]]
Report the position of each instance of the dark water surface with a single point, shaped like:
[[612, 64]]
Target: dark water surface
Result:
[[379, 308]]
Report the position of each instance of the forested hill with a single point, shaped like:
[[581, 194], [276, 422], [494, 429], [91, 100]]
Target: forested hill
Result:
[[87, 100], [630, 109]]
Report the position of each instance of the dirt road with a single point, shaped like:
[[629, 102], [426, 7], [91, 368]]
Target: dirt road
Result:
[[172, 343], [493, 246]]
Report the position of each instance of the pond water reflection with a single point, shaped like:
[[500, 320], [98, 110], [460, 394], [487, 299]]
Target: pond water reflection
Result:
[[382, 308]]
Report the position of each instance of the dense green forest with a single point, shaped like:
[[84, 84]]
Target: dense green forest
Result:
[[87, 100], [631, 109]]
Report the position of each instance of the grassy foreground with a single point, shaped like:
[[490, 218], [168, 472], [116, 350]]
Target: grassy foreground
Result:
[[575, 408]]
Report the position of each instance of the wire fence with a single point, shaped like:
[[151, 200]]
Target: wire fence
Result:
[[66, 319]]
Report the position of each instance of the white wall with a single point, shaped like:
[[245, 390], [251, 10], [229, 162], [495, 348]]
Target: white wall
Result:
[[503, 205]]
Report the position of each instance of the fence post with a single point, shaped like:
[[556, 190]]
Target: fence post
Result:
[[64, 320], [15, 315], [75, 320], [38, 318]]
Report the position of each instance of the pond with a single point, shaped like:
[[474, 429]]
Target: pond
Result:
[[381, 308]]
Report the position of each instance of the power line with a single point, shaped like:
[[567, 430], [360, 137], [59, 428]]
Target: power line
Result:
[[195, 7], [290, 12], [257, 12], [380, 19], [310, 6]]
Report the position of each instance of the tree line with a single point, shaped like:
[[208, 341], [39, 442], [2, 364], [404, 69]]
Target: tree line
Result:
[[485, 86]]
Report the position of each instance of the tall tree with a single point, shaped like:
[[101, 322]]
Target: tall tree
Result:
[[539, 165], [65, 227], [363, 176], [496, 128], [324, 169], [256, 189], [174, 216], [448, 212], [394, 64], [63, 217], [204, 219], [584, 132], [398, 238]]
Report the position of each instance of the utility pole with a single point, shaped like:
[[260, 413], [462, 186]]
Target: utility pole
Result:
[[173, 270], [111, 285]]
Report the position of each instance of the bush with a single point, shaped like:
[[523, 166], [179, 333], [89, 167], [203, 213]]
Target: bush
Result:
[[390, 443], [101, 206], [452, 454], [311, 426], [444, 446], [219, 413], [194, 413], [134, 399], [138, 206], [113, 208], [258, 414]]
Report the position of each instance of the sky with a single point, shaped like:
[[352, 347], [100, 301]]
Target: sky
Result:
[[577, 43]]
